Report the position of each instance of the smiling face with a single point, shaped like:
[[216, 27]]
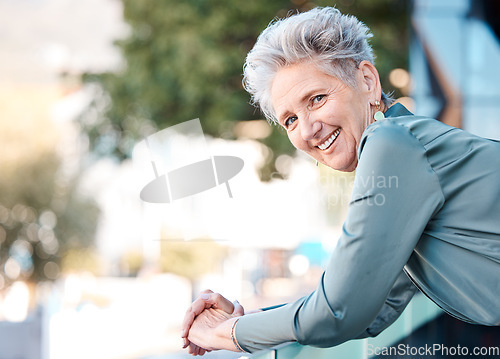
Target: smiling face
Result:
[[323, 116]]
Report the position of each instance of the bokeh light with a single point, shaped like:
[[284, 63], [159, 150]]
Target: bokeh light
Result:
[[399, 78], [298, 265]]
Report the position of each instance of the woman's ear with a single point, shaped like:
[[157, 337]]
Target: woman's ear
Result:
[[370, 80]]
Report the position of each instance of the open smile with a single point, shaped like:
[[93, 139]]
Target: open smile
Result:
[[325, 145]]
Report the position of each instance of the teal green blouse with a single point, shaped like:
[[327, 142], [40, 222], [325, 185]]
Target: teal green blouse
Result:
[[424, 213]]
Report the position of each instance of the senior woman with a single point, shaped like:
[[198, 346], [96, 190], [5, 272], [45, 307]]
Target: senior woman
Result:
[[437, 231]]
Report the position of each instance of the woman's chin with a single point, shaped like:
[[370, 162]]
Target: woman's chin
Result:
[[341, 164]]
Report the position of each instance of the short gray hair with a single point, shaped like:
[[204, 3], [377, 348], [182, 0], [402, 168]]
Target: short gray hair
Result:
[[333, 41]]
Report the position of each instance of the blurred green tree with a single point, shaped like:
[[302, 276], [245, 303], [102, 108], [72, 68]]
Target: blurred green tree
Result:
[[183, 60], [191, 261], [42, 216]]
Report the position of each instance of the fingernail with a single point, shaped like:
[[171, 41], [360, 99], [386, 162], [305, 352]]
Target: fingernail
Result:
[[183, 333], [204, 296]]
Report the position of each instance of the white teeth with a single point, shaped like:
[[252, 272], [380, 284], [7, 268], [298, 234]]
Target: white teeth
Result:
[[329, 141]]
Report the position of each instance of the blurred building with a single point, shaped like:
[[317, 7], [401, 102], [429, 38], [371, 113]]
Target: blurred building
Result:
[[454, 57], [454, 64]]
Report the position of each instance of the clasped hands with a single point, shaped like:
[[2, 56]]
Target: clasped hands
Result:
[[208, 323]]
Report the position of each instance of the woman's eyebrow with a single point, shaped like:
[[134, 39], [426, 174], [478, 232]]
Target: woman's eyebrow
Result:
[[308, 94]]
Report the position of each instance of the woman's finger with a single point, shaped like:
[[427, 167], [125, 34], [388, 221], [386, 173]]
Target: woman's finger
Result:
[[238, 309], [217, 301], [198, 306], [191, 348], [194, 350]]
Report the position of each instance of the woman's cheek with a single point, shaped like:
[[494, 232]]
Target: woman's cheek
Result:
[[295, 140]]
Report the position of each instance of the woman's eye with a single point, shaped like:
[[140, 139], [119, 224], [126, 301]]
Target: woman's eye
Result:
[[289, 121], [318, 98]]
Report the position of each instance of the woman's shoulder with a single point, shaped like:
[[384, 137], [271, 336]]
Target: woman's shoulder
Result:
[[401, 128], [402, 134]]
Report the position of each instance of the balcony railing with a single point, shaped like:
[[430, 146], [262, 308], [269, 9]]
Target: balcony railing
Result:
[[418, 312]]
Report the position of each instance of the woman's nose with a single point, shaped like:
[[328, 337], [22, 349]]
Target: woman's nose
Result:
[[309, 127]]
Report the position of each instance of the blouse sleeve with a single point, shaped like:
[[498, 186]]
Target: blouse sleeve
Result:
[[395, 194], [400, 295]]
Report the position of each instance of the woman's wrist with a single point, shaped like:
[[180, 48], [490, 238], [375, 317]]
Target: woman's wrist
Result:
[[233, 337], [225, 337]]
